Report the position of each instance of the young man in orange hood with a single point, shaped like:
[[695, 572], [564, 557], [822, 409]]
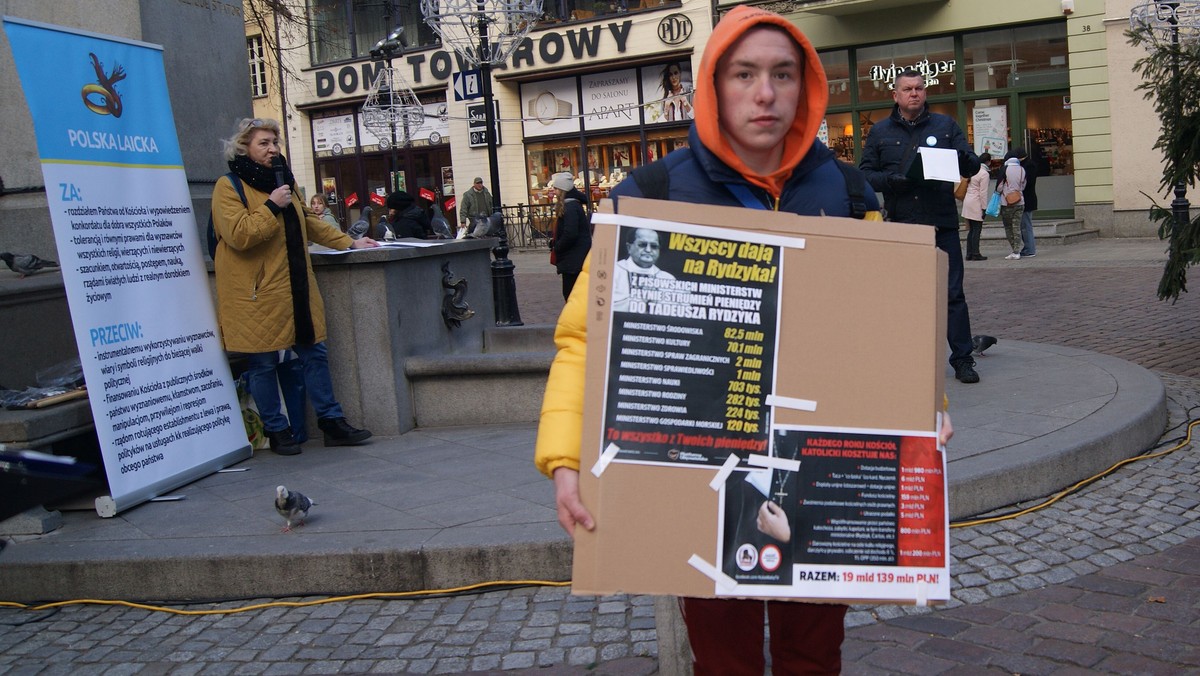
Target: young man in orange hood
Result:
[[760, 99]]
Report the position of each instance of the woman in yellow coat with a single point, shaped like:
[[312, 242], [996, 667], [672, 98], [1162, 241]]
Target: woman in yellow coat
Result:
[[267, 297]]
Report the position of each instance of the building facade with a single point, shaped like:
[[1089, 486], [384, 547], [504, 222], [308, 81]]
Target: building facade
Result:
[[596, 89], [596, 92], [1052, 76]]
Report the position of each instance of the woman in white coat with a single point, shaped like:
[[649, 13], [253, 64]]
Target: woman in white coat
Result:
[[973, 206]]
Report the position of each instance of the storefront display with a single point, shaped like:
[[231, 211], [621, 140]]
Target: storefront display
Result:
[[1007, 88], [608, 102], [361, 162]]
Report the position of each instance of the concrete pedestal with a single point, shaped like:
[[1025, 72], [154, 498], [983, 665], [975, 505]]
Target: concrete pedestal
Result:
[[383, 306]]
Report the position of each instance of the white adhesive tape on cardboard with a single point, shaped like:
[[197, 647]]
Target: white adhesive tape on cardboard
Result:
[[724, 472], [794, 403], [723, 581], [774, 463], [606, 457]]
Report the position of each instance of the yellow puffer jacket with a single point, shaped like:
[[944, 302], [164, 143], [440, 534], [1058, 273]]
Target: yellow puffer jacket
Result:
[[254, 294], [560, 432]]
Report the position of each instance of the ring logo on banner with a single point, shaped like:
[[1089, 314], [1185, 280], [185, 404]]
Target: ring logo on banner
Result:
[[107, 101]]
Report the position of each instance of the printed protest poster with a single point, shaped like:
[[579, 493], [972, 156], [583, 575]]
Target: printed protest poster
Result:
[[161, 393], [694, 315], [849, 513], [745, 428]]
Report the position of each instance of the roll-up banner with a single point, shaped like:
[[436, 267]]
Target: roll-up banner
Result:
[[163, 400]]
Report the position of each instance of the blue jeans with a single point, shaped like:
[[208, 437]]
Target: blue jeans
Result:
[[1027, 234], [263, 380]]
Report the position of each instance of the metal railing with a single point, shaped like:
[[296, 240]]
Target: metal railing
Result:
[[528, 225]]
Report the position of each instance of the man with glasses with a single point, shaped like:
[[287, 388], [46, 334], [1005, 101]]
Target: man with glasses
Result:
[[643, 251]]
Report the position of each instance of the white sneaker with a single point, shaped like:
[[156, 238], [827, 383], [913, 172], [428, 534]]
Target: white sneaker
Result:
[[1013, 257]]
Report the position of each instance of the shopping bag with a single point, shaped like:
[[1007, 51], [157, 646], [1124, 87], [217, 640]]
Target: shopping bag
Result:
[[993, 205]]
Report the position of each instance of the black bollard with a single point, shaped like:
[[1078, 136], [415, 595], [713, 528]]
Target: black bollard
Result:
[[504, 285]]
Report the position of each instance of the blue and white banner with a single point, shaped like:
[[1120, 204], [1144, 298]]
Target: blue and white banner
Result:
[[163, 400]]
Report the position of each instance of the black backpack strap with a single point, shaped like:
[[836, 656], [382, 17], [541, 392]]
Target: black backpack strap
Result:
[[212, 232], [237, 185], [653, 180], [856, 185]]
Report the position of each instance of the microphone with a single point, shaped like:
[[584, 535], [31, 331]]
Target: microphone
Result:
[[280, 170]]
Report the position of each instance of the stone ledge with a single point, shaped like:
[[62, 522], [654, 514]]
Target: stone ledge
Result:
[[478, 389], [41, 427]]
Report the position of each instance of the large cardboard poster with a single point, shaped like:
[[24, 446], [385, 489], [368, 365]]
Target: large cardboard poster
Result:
[[693, 311], [762, 398], [159, 383]]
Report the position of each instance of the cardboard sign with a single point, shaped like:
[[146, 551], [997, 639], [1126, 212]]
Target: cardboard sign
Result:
[[762, 398]]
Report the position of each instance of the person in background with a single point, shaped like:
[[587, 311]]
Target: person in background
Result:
[[1012, 181], [406, 217], [317, 204], [1031, 163], [760, 99], [475, 205], [267, 296], [974, 204], [572, 231], [888, 154]]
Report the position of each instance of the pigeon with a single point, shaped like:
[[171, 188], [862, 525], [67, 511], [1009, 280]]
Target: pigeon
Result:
[[360, 227], [981, 343], [26, 264], [292, 505]]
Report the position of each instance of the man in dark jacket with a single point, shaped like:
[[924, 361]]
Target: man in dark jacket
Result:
[[1030, 163], [887, 157]]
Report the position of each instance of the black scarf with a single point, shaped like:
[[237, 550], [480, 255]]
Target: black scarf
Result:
[[263, 179]]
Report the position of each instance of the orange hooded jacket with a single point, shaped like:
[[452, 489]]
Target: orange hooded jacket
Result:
[[814, 98]]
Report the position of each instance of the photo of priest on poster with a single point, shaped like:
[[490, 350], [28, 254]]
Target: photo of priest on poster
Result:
[[692, 350]]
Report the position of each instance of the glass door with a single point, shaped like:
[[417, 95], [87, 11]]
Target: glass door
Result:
[[1047, 137]]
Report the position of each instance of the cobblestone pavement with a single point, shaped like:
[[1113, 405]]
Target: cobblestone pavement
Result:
[[1105, 580]]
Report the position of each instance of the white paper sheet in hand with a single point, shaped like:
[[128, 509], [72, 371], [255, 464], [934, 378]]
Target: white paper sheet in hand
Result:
[[941, 164]]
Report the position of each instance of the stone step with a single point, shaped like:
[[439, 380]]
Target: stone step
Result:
[[528, 338], [478, 389], [1047, 231]]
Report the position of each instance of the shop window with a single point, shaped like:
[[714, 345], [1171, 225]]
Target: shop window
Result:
[[609, 160], [347, 29], [660, 143], [988, 60], [557, 11], [839, 136], [879, 66], [1029, 56], [837, 74]]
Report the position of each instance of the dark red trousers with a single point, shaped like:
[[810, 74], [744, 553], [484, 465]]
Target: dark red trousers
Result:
[[727, 636]]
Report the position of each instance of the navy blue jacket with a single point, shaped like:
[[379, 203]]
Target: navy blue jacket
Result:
[[816, 186], [888, 153]]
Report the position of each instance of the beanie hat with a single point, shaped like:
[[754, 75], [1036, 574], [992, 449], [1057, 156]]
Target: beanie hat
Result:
[[399, 200], [563, 182]]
